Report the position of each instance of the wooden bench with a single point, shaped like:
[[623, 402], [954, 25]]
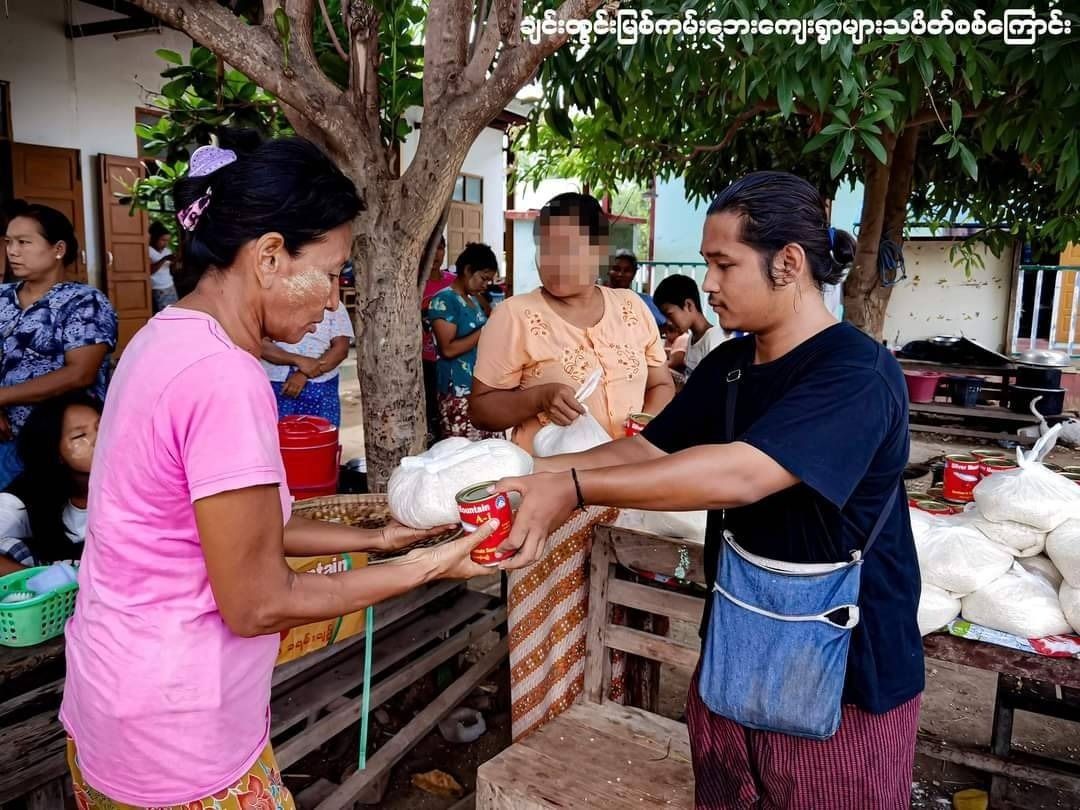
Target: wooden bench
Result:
[[598, 753]]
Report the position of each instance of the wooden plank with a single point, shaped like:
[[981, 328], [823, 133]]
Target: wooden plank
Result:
[[980, 412], [660, 600], [948, 368], [49, 796], [314, 794], [1061, 671], [389, 611], [649, 552], [969, 433], [1061, 776], [578, 776], [400, 744], [601, 571], [43, 698], [659, 733], [336, 722], [18, 661], [304, 702], [647, 645], [38, 744]]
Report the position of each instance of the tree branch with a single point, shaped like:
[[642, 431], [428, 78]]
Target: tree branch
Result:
[[333, 34], [446, 42], [364, 71], [254, 51], [485, 45]]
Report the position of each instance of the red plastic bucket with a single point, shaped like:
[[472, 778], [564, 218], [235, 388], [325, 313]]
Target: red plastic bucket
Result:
[[921, 385], [311, 454]]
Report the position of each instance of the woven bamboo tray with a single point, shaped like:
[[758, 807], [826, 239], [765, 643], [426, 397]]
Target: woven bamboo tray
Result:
[[363, 512]]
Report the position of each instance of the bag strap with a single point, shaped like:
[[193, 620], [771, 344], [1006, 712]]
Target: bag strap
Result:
[[879, 526], [733, 378]]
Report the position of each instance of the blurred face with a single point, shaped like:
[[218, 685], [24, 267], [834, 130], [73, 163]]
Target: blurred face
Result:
[[440, 255], [569, 265], [78, 436], [682, 317], [739, 291], [299, 289], [622, 273], [161, 242], [30, 254], [476, 283]]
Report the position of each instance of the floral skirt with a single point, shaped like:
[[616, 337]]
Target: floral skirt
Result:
[[260, 788], [454, 419]]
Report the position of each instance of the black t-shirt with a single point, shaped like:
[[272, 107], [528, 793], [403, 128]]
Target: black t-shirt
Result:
[[833, 412]]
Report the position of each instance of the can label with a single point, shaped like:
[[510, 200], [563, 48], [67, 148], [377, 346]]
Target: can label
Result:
[[961, 477], [635, 423], [989, 466], [476, 506]]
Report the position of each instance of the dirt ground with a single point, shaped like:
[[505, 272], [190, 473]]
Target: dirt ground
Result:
[[957, 705]]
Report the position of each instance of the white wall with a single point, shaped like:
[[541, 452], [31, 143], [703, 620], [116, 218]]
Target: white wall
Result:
[[486, 159], [939, 299], [78, 94], [526, 276], [677, 232]]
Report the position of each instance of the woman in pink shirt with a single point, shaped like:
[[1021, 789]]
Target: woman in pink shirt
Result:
[[184, 585]]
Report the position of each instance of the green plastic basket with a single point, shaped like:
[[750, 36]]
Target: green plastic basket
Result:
[[24, 624]]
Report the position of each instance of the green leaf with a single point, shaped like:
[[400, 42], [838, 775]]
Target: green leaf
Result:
[[282, 23], [945, 55], [971, 166], [559, 121], [846, 49], [172, 57], [907, 50], [848, 142], [816, 142], [175, 89], [957, 114], [839, 159], [943, 138], [833, 129], [875, 146], [926, 68]]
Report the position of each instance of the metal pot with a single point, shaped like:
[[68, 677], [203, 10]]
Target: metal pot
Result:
[[1052, 400], [1044, 358], [1038, 377]]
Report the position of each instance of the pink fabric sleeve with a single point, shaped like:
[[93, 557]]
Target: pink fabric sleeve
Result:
[[218, 421]]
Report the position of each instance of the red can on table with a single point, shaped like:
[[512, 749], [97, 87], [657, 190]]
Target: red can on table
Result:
[[476, 506], [989, 466], [961, 477], [635, 423]]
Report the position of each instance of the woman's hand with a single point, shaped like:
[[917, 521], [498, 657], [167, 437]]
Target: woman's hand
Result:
[[395, 536], [452, 560], [547, 500], [308, 366], [294, 384], [558, 403]]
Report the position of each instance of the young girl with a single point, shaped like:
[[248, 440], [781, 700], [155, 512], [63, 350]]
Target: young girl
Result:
[[43, 512]]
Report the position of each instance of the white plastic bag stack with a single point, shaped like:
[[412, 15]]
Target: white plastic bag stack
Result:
[[937, 607], [422, 490], [1070, 604], [1020, 602], [1063, 547], [1031, 495], [584, 433], [1041, 564], [960, 559], [1019, 539]]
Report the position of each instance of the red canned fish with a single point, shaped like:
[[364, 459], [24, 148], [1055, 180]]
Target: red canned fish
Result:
[[935, 507], [989, 466], [635, 423], [961, 477], [476, 506], [983, 455]]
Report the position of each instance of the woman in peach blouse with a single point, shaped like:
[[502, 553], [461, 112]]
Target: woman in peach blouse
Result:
[[534, 353], [539, 348]]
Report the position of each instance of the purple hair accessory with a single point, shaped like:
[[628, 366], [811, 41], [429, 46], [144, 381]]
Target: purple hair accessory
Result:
[[208, 159], [189, 216]]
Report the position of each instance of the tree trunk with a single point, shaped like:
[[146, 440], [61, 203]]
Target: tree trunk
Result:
[[884, 212]]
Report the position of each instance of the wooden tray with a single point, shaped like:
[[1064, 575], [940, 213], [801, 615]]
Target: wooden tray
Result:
[[363, 512]]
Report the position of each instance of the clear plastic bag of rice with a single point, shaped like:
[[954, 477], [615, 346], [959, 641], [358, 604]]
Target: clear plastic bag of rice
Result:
[[960, 559], [1019, 602], [937, 607]]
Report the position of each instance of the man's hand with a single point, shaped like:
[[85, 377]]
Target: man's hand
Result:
[[547, 500], [558, 403], [294, 384], [395, 536], [5, 428]]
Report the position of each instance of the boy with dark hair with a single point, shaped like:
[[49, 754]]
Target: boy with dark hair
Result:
[[678, 298]]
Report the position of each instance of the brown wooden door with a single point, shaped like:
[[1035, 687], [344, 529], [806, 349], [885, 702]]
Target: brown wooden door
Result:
[[52, 176], [124, 243], [1070, 257], [465, 224]]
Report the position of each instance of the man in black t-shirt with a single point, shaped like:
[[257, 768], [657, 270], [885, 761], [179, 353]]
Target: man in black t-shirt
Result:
[[817, 446]]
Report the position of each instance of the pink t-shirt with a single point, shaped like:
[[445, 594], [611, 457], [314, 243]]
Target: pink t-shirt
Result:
[[430, 347], [165, 704]]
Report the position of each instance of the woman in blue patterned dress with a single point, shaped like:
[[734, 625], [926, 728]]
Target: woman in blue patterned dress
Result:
[[457, 315], [55, 335]]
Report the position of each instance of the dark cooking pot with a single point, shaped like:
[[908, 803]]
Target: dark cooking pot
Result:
[[1038, 377], [1051, 404]]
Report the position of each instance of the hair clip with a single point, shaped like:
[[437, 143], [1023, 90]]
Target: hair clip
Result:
[[189, 216], [208, 159]]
